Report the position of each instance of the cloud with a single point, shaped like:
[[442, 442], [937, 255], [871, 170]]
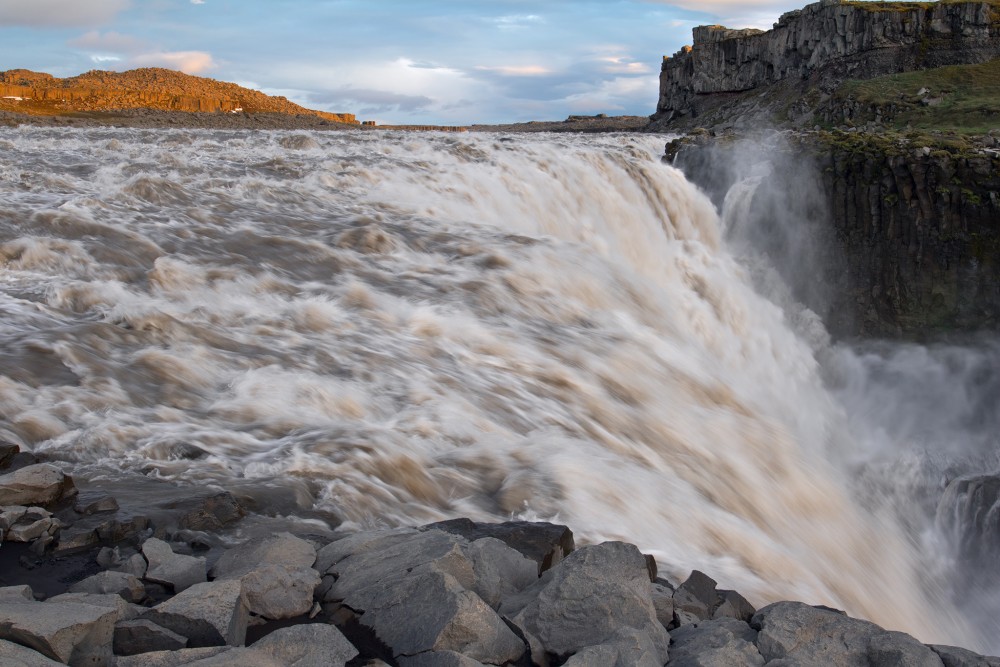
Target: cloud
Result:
[[59, 13], [516, 21], [108, 41], [189, 62], [515, 70], [374, 100], [197, 2]]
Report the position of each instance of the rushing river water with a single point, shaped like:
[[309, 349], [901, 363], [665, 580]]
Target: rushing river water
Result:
[[424, 326]]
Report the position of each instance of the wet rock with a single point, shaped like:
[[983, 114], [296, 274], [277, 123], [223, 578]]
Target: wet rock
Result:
[[812, 636], [41, 484], [282, 548], [166, 567], [186, 656], [208, 614], [7, 452], [135, 565], [10, 515], [587, 600], [952, 656], [213, 513], [118, 583], [76, 538], [969, 512], [96, 505], [69, 632], [722, 643], [544, 543], [144, 636], [16, 655]]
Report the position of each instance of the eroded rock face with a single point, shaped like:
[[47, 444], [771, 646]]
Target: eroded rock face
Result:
[[830, 39]]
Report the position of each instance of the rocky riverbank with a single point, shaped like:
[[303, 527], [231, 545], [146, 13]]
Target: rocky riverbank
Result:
[[885, 234], [83, 585]]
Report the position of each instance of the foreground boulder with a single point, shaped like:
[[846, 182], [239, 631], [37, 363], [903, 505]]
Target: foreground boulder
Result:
[[16, 655], [276, 572], [421, 591], [207, 614], [726, 642], [68, 632], [166, 567], [544, 543], [41, 484], [591, 598], [812, 636]]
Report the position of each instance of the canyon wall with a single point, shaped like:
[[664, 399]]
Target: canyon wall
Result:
[[883, 235], [820, 45]]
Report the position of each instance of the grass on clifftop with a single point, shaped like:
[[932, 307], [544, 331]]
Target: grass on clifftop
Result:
[[963, 98]]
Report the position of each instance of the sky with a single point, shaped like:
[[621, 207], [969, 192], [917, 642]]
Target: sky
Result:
[[450, 62]]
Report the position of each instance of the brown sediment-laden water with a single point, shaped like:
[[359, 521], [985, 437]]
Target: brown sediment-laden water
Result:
[[413, 327]]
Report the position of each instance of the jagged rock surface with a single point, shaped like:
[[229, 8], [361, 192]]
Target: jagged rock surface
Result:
[[820, 44]]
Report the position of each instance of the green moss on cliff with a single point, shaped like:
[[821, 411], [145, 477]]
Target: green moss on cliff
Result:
[[963, 98]]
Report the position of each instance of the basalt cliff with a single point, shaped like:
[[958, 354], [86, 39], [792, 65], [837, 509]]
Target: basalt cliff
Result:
[[788, 75], [864, 141], [37, 93]]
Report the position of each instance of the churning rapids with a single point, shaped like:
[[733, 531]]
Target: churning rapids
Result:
[[414, 327]]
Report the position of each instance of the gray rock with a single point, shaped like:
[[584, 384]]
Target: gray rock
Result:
[[311, 645], [629, 648], [589, 599], [814, 636], [16, 594], [726, 642], [71, 633], [279, 549], [166, 567], [663, 602], [27, 529], [144, 636], [208, 614], [952, 656], [544, 543], [15, 655], [697, 596], [431, 611], [237, 657], [733, 605], [487, 567], [135, 565], [40, 484], [438, 659], [10, 515], [124, 611], [358, 544], [118, 583], [186, 656], [276, 591]]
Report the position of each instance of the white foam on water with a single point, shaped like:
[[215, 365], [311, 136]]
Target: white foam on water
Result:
[[428, 326]]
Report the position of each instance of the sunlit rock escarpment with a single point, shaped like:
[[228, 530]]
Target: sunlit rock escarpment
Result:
[[35, 93], [719, 80]]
